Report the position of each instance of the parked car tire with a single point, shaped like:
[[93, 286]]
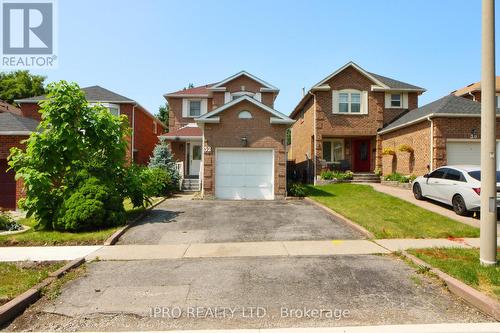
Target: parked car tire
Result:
[[417, 191], [459, 205]]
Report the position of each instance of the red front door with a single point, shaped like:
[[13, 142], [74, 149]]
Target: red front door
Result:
[[361, 151]]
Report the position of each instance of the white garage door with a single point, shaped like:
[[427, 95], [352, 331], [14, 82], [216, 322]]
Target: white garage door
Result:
[[244, 174], [458, 153]]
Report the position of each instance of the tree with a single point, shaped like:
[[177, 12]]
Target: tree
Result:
[[20, 84], [164, 159], [162, 114], [78, 148]]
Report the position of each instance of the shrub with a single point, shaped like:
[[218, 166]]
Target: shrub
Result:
[[7, 223], [378, 172], [405, 148], [157, 182], [388, 151], [394, 177], [327, 175], [297, 190], [93, 205], [164, 159]]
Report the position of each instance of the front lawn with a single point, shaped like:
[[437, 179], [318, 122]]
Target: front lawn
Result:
[[463, 264], [16, 278], [387, 216], [34, 237]]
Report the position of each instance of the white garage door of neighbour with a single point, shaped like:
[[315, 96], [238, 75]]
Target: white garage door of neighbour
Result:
[[461, 153], [243, 174]]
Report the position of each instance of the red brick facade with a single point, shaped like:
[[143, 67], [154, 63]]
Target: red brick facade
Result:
[[7, 142]]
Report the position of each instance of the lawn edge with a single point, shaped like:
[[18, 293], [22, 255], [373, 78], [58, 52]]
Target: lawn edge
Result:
[[16, 306], [111, 240], [472, 296], [342, 218]]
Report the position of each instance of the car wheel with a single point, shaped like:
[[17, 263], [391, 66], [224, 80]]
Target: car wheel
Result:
[[459, 205], [417, 192]]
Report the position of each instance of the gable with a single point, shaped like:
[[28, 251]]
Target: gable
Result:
[[264, 86]]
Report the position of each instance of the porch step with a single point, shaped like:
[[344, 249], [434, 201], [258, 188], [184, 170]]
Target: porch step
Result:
[[365, 177], [190, 185]]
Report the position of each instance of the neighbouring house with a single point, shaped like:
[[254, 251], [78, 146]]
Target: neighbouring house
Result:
[[228, 138], [145, 127], [17, 125], [444, 132], [6, 107], [338, 118], [473, 91]]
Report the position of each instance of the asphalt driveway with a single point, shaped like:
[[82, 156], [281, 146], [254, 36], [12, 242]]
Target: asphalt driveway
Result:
[[146, 295], [197, 221]]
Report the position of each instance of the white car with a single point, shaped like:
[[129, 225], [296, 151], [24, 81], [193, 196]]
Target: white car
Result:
[[457, 186]]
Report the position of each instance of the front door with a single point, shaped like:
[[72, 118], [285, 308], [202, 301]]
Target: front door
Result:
[[361, 150], [194, 159]]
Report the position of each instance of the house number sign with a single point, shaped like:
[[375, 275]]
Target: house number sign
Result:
[[207, 149]]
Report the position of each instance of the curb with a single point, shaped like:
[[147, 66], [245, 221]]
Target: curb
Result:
[[118, 233], [475, 298], [343, 219], [16, 306]]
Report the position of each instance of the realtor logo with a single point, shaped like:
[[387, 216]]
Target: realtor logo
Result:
[[28, 34]]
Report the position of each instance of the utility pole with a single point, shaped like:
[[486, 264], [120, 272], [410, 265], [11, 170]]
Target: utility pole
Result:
[[488, 245]]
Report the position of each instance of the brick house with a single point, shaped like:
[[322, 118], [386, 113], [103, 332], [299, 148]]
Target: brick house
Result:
[[17, 124], [473, 91], [338, 118], [228, 138], [444, 132]]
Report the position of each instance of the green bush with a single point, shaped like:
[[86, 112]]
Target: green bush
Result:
[[329, 175], [157, 182], [397, 177], [93, 205], [7, 223], [297, 190]]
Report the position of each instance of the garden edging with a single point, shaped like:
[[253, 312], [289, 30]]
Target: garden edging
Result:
[[118, 233], [16, 306], [479, 300], [342, 218]]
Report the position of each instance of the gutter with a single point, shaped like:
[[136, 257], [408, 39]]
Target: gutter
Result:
[[315, 136], [431, 164]]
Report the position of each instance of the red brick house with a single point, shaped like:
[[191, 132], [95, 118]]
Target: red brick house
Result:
[[228, 138], [338, 118], [17, 124], [473, 91]]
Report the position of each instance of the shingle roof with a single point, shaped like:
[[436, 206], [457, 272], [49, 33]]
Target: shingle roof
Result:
[[6, 107], [92, 94], [10, 122], [186, 131], [448, 105], [394, 84]]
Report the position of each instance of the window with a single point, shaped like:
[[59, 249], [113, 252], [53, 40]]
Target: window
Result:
[[439, 173], [349, 102], [115, 111], [333, 150], [327, 151], [477, 175], [194, 108], [454, 175], [497, 101], [196, 153], [396, 100], [245, 115]]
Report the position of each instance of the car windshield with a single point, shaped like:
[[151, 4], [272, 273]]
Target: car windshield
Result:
[[477, 175]]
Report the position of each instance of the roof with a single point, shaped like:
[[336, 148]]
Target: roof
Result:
[[92, 94], [381, 83], [6, 107], [449, 105], [279, 118], [267, 86], [476, 86], [16, 125], [198, 91], [188, 131]]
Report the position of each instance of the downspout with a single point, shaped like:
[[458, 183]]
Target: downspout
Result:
[[315, 137], [431, 164], [472, 95]]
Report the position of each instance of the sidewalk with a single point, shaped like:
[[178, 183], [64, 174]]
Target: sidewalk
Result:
[[227, 250]]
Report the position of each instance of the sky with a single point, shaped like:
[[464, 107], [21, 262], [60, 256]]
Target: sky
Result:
[[143, 49]]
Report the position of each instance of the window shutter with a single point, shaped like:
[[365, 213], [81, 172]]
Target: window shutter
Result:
[[387, 100], [335, 101], [405, 100], [203, 106], [185, 107], [364, 102], [227, 97], [258, 97]]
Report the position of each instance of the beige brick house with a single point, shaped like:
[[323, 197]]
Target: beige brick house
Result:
[[228, 138], [338, 118]]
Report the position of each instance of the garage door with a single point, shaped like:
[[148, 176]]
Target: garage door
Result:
[[465, 153], [244, 174], [7, 187]]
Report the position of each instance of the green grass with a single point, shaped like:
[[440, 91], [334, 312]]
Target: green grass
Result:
[[34, 237], [16, 278], [463, 264], [387, 216]]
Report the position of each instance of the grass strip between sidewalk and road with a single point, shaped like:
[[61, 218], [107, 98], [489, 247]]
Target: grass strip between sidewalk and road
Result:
[[386, 216], [34, 237], [463, 264]]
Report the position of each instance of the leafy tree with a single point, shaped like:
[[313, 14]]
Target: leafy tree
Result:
[[20, 84], [75, 142], [162, 114], [164, 159]]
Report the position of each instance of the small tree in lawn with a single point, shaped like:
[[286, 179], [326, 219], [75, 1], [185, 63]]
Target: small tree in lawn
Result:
[[164, 159]]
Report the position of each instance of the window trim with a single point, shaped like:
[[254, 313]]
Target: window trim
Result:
[[349, 102], [245, 114], [109, 106], [400, 100], [332, 141], [189, 108]]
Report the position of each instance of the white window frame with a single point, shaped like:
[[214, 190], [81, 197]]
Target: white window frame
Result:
[[244, 114], [109, 106], [400, 100], [189, 108], [363, 102], [403, 101], [186, 107], [332, 141]]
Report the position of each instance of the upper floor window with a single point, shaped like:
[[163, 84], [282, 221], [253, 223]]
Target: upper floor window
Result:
[[396, 100], [245, 115], [349, 102], [115, 111], [194, 108]]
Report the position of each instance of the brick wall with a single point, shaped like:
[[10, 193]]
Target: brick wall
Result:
[[260, 134], [302, 150], [6, 142], [176, 120], [145, 139], [30, 110]]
